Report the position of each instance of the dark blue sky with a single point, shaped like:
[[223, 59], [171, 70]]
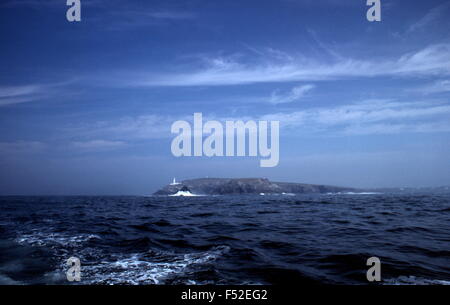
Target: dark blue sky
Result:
[[86, 108]]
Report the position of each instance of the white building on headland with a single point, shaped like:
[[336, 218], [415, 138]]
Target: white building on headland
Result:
[[174, 182]]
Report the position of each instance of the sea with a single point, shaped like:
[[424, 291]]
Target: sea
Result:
[[245, 239]]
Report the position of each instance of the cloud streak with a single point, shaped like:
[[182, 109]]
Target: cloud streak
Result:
[[125, 19], [98, 145], [21, 147], [430, 61], [368, 117], [439, 86], [430, 17], [295, 94], [20, 94]]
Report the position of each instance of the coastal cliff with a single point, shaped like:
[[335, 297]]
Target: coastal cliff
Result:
[[230, 186]]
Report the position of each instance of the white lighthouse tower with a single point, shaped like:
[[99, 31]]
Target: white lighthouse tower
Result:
[[174, 182]]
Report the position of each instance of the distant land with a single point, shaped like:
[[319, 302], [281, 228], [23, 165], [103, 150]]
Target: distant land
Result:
[[236, 186], [231, 186]]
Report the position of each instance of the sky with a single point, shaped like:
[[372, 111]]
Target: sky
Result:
[[86, 107]]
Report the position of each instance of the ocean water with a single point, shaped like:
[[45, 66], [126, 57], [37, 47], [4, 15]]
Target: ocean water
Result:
[[305, 239]]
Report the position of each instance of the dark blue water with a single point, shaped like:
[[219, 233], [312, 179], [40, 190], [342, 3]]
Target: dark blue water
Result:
[[226, 239]]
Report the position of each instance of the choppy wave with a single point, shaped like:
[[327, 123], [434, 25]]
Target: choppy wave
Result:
[[226, 239], [151, 268], [358, 193], [412, 280], [51, 239]]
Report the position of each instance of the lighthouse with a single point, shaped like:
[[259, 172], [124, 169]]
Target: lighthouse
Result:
[[174, 182]]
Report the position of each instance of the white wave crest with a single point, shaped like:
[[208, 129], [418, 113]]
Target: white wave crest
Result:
[[412, 280]]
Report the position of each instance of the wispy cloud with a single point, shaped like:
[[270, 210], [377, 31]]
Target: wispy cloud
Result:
[[149, 126], [10, 95], [396, 128], [98, 145], [124, 19], [432, 60], [35, 147], [436, 87], [174, 15], [21, 147], [324, 46], [14, 91], [294, 94], [112, 14], [381, 116], [430, 17], [20, 94], [369, 117]]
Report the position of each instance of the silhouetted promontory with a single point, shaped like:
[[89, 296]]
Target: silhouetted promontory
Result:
[[233, 186]]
